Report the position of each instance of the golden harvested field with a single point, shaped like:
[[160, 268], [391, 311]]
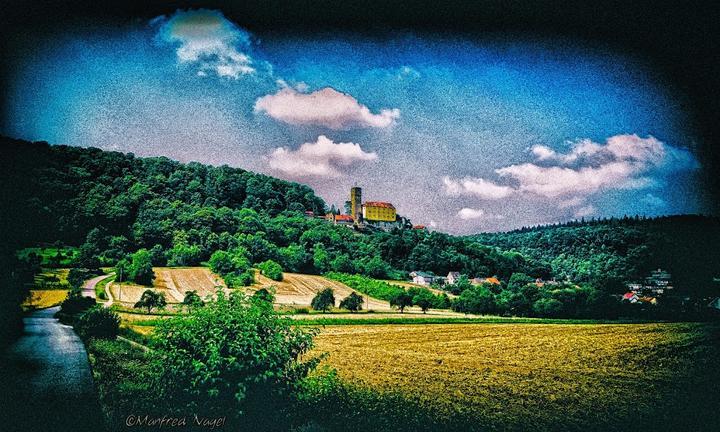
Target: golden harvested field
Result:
[[299, 290], [536, 376], [45, 298], [173, 282]]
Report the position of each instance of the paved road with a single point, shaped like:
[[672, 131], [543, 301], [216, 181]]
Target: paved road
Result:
[[45, 380], [88, 289]]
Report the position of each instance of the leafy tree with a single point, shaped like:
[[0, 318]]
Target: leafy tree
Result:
[[150, 300], [424, 299], [462, 284], [321, 258], [140, 269], [192, 299], [548, 307], [519, 280], [342, 264], [353, 302], [75, 303], [271, 269], [401, 300], [234, 358], [323, 300], [476, 300]]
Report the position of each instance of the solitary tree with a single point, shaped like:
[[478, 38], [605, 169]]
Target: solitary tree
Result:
[[271, 269], [192, 299], [150, 300], [264, 294], [424, 299], [401, 300], [353, 302], [324, 300]]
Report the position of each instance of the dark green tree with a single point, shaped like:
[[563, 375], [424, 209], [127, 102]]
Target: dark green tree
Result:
[[150, 300], [353, 302], [323, 300]]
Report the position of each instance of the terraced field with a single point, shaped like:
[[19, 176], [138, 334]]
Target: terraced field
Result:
[[299, 290], [173, 282]]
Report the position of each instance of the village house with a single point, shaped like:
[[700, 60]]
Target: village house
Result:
[[453, 277], [340, 219], [423, 278]]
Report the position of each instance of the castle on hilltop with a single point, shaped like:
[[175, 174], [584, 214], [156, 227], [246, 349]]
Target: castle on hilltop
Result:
[[378, 214]]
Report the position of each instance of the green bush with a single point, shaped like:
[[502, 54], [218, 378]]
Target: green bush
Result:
[[476, 300], [77, 276], [234, 357], [98, 322], [302, 311], [236, 280], [76, 303], [271, 269], [264, 295]]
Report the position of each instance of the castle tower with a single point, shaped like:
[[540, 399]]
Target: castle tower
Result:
[[356, 203]]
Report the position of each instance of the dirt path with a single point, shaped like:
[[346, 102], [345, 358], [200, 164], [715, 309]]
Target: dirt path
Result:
[[88, 289]]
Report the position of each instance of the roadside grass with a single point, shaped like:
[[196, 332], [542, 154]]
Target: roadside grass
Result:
[[100, 288]]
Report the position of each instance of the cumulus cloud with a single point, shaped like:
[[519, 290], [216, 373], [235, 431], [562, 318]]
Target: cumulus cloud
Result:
[[209, 40], [470, 213], [323, 158], [622, 162], [477, 187], [326, 107]]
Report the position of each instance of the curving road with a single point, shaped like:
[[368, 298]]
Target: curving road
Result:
[[45, 380], [88, 289]]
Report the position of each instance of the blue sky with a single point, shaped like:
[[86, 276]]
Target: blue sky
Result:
[[462, 134]]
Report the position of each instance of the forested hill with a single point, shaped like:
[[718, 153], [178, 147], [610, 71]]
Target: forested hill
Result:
[[609, 252], [53, 193]]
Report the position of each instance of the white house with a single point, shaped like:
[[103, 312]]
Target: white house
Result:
[[423, 278], [453, 277]]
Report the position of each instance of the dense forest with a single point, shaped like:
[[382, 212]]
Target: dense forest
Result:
[[111, 205], [610, 252]]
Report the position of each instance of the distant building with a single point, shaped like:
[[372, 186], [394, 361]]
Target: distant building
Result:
[[340, 219], [356, 204], [378, 211], [658, 283], [423, 278], [490, 280], [419, 227], [631, 297], [453, 277]]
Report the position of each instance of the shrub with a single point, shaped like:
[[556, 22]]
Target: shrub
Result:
[[353, 302], [76, 303], [235, 358], [77, 276], [236, 280], [98, 322], [271, 269], [324, 300], [302, 311], [264, 295], [151, 299]]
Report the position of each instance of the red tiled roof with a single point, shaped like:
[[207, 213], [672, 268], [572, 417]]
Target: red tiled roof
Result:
[[379, 204], [347, 218], [418, 226], [628, 295]]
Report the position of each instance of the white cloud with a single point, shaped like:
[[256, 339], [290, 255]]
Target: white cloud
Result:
[[208, 39], [623, 162], [652, 200], [477, 187], [323, 158], [469, 213], [585, 211], [326, 107]]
